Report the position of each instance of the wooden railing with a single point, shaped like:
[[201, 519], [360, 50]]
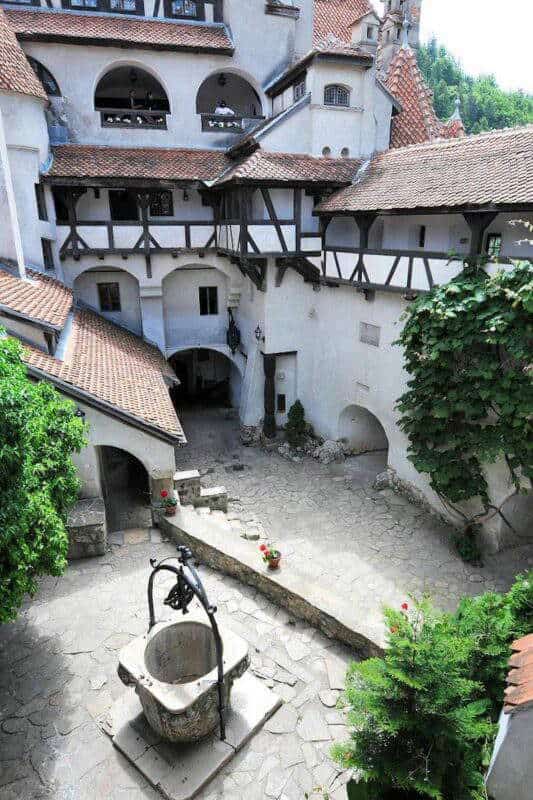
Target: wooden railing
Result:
[[133, 118], [221, 123]]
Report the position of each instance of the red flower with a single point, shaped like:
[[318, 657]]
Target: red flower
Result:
[[266, 553], [164, 493], [263, 547], [405, 607]]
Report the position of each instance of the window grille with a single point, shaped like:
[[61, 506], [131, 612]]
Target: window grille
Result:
[[299, 90], [161, 204], [336, 96], [494, 244], [369, 334], [109, 296]]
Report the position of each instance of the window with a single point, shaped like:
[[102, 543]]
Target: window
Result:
[[422, 236], [47, 79], [326, 152], [41, 201], [115, 6], [123, 205], [371, 32], [336, 96], [48, 258], [369, 334], [299, 90], [398, 33], [494, 245], [161, 204], [184, 9], [208, 300], [60, 205], [345, 152], [281, 403], [109, 296]]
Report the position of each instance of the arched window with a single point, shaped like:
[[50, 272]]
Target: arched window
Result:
[[224, 101], [48, 81], [336, 96], [128, 97]]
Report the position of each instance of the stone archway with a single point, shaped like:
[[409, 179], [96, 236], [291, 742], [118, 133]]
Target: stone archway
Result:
[[125, 489], [361, 431], [208, 378], [112, 292]]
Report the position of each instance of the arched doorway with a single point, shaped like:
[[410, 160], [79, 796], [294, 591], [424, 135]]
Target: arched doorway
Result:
[[128, 96], [125, 488], [365, 439], [208, 378]]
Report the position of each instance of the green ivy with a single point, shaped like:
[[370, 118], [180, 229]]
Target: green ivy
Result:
[[39, 431], [469, 348]]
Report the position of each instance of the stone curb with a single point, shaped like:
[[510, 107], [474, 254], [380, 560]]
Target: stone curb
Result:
[[298, 594]]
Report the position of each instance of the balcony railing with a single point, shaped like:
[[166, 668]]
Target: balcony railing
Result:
[[135, 118], [220, 123]]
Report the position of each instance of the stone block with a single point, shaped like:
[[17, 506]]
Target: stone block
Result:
[[215, 498], [87, 531], [187, 485]]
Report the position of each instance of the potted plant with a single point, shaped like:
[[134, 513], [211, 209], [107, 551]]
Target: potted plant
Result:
[[271, 556], [169, 503]]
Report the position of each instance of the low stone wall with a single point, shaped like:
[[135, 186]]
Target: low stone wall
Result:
[[87, 531], [215, 548]]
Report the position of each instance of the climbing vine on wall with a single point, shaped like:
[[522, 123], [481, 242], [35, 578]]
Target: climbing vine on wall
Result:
[[469, 350]]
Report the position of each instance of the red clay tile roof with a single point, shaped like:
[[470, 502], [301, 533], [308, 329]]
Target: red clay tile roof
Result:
[[417, 121], [292, 168], [490, 168], [116, 367], [334, 18], [142, 163], [16, 75], [519, 692], [71, 27], [40, 298]]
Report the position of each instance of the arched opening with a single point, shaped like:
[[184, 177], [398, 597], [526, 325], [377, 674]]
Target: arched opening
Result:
[[130, 97], [50, 85], [363, 436], [112, 292], [207, 379], [225, 100], [125, 488]]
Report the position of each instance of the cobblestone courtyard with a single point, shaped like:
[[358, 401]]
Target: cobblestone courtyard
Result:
[[58, 661]]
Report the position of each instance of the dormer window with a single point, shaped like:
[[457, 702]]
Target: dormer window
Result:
[[336, 96], [185, 9]]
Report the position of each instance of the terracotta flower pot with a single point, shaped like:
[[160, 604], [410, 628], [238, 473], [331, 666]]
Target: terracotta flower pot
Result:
[[170, 511], [273, 563]]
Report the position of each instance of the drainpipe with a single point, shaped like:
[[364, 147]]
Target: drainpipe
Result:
[[12, 207]]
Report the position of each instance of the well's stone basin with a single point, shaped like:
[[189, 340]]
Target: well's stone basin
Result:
[[174, 671]]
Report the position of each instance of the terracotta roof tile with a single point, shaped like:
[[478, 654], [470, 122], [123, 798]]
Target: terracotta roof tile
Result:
[[116, 367], [40, 298], [334, 18], [519, 692], [292, 168], [490, 168], [90, 28], [16, 75], [87, 161], [417, 121]]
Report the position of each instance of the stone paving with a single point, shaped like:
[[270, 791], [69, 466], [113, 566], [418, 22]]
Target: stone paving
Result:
[[374, 547], [58, 680]]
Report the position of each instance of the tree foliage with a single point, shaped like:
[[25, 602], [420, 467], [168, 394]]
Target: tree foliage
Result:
[[39, 431], [468, 350], [484, 105], [422, 717]]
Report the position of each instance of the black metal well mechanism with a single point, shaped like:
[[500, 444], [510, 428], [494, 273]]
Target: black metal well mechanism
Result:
[[188, 585]]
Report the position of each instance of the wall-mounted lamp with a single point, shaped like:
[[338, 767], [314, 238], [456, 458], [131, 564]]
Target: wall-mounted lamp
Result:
[[79, 413], [259, 334]]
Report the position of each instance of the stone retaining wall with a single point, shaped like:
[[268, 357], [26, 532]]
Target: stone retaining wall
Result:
[[87, 531]]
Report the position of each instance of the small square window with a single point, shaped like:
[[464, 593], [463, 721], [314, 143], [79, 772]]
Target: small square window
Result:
[[185, 9], [369, 334], [494, 244], [109, 296], [48, 258], [41, 201], [281, 403], [161, 204], [208, 300], [299, 90]]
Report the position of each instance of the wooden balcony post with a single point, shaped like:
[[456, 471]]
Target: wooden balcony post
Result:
[[144, 204], [364, 222], [73, 195]]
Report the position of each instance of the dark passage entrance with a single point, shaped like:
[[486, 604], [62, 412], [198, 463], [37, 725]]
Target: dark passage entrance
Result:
[[126, 490], [205, 378]]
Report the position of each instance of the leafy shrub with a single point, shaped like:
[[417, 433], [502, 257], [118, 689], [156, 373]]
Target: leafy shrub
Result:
[[423, 715], [39, 431], [296, 427]]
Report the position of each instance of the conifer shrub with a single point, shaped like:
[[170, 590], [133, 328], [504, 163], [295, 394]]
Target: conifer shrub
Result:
[[296, 427], [423, 716]]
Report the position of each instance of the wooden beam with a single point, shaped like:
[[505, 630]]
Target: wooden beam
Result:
[[478, 224], [273, 216], [269, 423], [143, 199], [297, 206], [364, 222]]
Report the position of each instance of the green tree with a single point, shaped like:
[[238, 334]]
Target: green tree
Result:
[[296, 427], [484, 105], [39, 431]]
